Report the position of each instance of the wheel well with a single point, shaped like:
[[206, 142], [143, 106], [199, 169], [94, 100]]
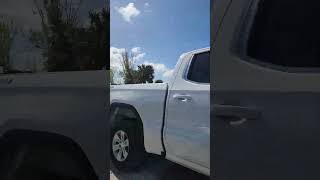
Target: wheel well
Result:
[[119, 111], [51, 152]]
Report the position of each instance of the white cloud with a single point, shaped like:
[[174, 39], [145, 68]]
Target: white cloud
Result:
[[128, 12], [139, 57], [115, 58], [136, 50], [168, 74], [115, 62], [161, 70], [137, 54], [146, 7]]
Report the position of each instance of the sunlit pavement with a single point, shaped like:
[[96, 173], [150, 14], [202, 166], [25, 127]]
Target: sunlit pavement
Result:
[[156, 168]]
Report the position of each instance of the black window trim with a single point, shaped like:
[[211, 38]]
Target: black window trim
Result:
[[241, 37], [187, 69]]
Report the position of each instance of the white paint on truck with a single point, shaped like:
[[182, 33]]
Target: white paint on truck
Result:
[[187, 115]]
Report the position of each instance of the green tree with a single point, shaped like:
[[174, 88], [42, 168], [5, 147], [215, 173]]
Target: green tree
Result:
[[8, 31], [128, 73], [111, 73], [59, 19], [131, 75], [5, 43], [98, 32], [145, 73], [68, 45]]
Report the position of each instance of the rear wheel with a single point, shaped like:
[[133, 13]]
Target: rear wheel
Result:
[[127, 149], [36, 161]]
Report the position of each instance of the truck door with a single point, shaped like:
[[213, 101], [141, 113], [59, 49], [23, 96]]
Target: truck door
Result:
[[266, 99], [218, 10], [187, 133]]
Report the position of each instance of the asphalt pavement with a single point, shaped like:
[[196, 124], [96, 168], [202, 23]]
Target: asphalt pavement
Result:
[[157, 168]]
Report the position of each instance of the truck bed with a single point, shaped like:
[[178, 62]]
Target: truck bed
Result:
[[148, 100]]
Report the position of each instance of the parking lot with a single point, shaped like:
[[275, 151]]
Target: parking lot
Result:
[[156, 168]]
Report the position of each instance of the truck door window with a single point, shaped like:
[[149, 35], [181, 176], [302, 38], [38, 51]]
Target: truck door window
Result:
[[35, 40], [199, 68], [286, 33]]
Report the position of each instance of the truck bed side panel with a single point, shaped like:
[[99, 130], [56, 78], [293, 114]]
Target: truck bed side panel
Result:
[[148, 100], [71, 104]]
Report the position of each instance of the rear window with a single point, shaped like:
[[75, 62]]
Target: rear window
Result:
[[199, 68], [286, 33], [53, 36]]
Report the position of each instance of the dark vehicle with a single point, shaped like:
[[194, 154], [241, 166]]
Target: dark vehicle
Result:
[[53, 125], [266, 90], [53, 89]]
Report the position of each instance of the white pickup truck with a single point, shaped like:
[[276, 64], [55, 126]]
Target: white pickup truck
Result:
[[169, 119]]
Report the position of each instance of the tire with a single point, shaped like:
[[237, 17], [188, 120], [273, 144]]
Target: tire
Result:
[[135, 152], [25, 161], [11, 160]]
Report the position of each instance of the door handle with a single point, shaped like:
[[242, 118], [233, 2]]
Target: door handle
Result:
[[235, 113], [182, 97]]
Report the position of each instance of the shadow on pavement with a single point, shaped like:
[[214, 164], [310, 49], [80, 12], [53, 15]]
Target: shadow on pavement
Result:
[[156, 168]]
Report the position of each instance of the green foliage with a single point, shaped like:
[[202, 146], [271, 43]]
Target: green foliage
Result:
[[128, 73], [111, 73], [144, 73], [66, 45], [7, 33], [5, 43]]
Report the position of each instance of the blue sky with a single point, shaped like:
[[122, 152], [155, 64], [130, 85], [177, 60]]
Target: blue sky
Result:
[[158, 31]]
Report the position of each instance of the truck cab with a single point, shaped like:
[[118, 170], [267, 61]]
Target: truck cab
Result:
[[266, 90]]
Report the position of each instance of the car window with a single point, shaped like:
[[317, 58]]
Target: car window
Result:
[[286, 33], [199, 68], [53, 36]]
